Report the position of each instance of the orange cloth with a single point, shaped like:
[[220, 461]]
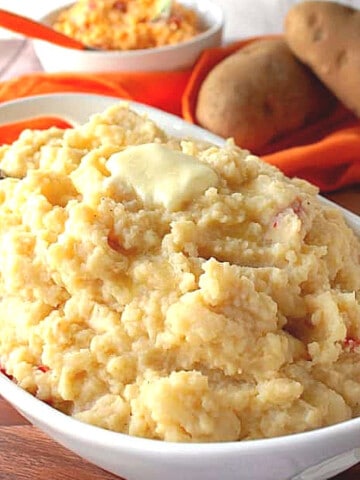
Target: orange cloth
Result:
[[159, 89], [11, 131], [326, 153]]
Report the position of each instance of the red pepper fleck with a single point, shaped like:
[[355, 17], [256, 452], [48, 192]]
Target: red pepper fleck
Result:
[[43, 368], [175, 20], [297, 207], [121, 6], [113, 242], [92, 5], [351, 343], [3, 371]]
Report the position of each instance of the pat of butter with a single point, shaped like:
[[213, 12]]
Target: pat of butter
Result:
[[160, 175]]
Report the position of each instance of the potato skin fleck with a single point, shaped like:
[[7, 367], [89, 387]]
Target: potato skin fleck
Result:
[[326, 37], [259, 94]]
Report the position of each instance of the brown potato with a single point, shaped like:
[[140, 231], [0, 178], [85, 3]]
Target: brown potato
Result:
[[326, 36], [259, 93]]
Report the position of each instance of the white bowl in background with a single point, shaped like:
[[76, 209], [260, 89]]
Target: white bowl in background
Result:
[[169, 57], [315, 455]]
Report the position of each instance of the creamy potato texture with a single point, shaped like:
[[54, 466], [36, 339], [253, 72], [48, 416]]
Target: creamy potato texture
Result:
[[232, 315]]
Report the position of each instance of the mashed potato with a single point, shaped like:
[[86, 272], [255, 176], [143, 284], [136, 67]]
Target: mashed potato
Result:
[[127, 24], [228, 314]]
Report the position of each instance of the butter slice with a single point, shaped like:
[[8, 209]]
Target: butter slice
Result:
[[160, 175]]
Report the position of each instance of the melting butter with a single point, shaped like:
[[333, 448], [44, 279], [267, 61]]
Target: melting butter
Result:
[[160, 175]]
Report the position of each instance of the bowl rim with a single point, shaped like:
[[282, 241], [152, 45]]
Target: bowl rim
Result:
[[45, 414], [215, 28], [71, 427], [177, 123]]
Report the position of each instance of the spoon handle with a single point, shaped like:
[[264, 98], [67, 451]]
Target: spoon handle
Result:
[[31, 28]]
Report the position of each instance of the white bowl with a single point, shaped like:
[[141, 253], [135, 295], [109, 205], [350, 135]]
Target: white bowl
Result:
[[314, 455], [170, 57]]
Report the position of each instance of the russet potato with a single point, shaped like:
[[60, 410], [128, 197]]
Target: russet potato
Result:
[[326, 36], [260, 93]]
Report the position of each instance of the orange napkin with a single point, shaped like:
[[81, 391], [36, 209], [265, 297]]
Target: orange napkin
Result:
[[11, 131], [159, 89], [326, 153]]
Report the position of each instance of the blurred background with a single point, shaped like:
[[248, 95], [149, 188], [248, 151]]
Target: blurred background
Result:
[[243, 17]]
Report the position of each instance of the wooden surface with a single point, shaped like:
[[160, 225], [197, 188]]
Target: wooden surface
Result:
[[28, 454]]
